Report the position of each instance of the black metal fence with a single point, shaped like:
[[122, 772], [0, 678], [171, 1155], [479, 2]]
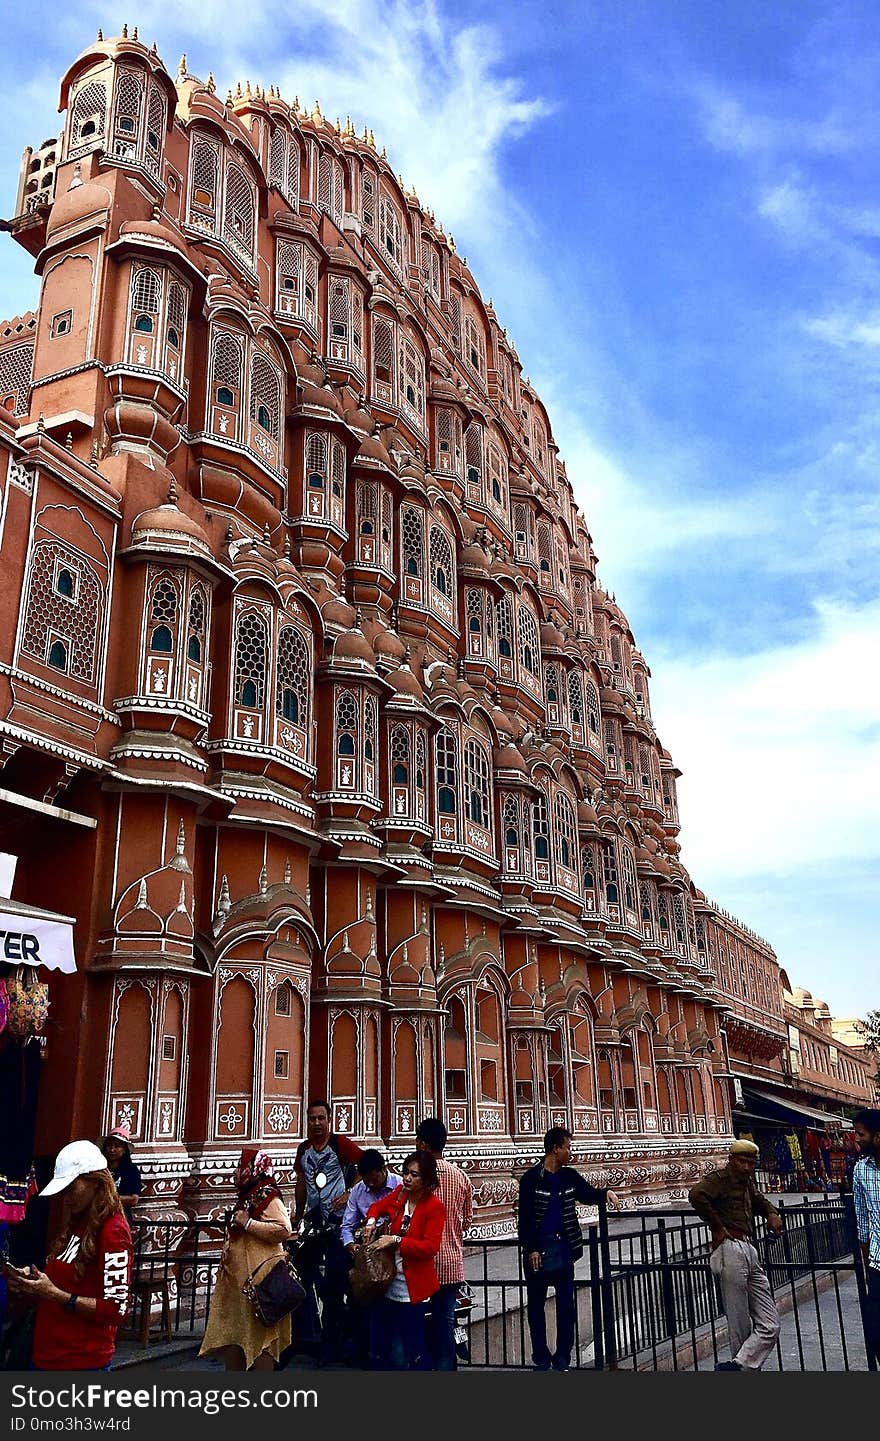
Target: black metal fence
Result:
[[645, 1297]]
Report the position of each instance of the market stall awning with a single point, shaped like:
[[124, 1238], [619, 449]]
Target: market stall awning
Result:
[[774, 1107], [32, 937]]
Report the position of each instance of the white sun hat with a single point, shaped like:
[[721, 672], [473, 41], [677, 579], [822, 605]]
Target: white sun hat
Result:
[[79, 1158]]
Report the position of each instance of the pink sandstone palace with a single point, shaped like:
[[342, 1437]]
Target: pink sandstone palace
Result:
[[314, 717]]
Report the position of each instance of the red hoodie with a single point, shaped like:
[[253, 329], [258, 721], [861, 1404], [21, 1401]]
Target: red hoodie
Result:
[[67, 1342]]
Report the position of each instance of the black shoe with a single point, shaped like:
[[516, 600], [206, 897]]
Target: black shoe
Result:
[[728, 1366], [541, 1366], [561, 1366]]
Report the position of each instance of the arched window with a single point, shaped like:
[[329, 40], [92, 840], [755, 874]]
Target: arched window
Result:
[[54, 616], [575, 698], [347, 727], [551, 684], [529, 645], [447, 773], [400, 755], [476, 783], [510, 821], [162, 639], [545, 549], [196, 625], [540, 828], [251, 653], [448, 434], [566, 832], [370, 728], [239, 213], [412, 539], [609, 868], [504, 626], [442, 574], [292, 676], [412, 380], [383, 358], [390, 231], [64, 582], [88, 115], [265, 394], [473, 455], [594, 714], [58, 655]]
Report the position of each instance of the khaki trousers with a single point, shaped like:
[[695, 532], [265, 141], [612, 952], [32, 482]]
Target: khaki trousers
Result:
[[752, 1318]]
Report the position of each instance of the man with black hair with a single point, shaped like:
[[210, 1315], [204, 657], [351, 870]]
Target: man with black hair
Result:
[[551, 1242], [325, 1169], [375, 1182], [866, 1199], [457, 1195]]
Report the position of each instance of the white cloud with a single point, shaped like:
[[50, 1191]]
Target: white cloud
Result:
[[732, 125], [842, 329], [405, 70], [784, 745]]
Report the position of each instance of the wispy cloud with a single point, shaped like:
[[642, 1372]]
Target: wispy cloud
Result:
[[784, 744], [748, 127]]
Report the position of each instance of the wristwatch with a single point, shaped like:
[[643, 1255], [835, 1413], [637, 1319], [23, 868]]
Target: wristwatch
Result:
[[70, 1304]]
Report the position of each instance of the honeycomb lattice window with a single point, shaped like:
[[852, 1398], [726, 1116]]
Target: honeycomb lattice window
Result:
[[447, 772], [400, 749], [421, 759], [575, 698], [163, 603], [510, 821], [367, 507], [541, 828], [293, 676], [251, 653], [16, 369], [227, 360], [412, 542], [383, 350], [442, 576], [265, 395], [49, 613], [88, 115], [316, 460], [473, 453], [155, 128], [204, 176], [594, 714], [239, 213], [504, 626], [347, 723], [127, 112]]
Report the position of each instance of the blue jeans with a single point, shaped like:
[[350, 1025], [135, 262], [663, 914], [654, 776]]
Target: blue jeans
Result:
[[537, 1285], [441, 1329], [397, 1335]]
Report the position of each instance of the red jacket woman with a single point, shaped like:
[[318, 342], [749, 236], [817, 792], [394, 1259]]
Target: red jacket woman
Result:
[[416, 1218], [420, 1243]]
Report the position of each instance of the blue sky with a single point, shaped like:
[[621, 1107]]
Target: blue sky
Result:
[[675, 206]]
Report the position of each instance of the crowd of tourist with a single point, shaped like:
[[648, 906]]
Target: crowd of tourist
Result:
[[368, 1268]]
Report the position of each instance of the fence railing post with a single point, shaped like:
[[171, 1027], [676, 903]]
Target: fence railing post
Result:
[[667, 1290], [858, 1267], [596, 1297], [609, 1332]]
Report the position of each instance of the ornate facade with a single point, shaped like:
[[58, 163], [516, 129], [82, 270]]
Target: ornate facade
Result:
[[315, 716]]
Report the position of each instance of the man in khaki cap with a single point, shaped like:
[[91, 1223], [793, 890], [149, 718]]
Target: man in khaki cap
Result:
[[728, 1201]]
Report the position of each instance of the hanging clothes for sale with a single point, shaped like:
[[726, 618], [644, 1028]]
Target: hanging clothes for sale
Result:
[[782, 1155], [794, 1147], [19, 1087]]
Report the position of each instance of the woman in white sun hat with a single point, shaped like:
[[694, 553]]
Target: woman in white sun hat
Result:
[[82, 1295]]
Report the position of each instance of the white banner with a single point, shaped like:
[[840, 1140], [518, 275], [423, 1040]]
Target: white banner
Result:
[[35, 941]]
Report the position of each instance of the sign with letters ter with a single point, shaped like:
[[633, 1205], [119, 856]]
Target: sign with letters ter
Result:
[[35, 940]]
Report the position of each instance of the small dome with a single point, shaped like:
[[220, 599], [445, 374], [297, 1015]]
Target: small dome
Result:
[[406, 684], [586, 815], [337, 612], [508, 758], [373, 452], [82, 200], [169, 524], [353, 645], [473, 557], [358, 419], [153, 229], [316, 391], [551, 636], [387, 644]]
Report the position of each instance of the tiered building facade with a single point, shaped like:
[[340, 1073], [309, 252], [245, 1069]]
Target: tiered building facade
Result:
[[315, 716]]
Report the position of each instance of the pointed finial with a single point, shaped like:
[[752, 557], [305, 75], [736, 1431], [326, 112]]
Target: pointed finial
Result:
[[264, 881], [181, 67], [224, 904], [172, 491], [238, 89], [287, 871], [68, 440], [134, 35], [76, 178], [287, 547], [153, 49], [366, 136], [247, 90], [338, 126], [211, 86], [94, 453], [229, 96], [125, 32], [295, 106], [100, 35], [41, 424], [229, 537], [180, 846]]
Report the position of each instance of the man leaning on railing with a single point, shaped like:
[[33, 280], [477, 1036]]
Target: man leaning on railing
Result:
[[728, 1201]]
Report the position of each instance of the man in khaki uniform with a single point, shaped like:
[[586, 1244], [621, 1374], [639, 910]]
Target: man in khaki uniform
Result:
[[728, 1201]]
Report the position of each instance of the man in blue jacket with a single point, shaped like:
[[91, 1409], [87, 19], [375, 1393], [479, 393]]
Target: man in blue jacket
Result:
[[551, 1241]]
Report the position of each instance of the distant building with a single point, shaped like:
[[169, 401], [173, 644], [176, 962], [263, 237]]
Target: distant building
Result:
[[314, 716]]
